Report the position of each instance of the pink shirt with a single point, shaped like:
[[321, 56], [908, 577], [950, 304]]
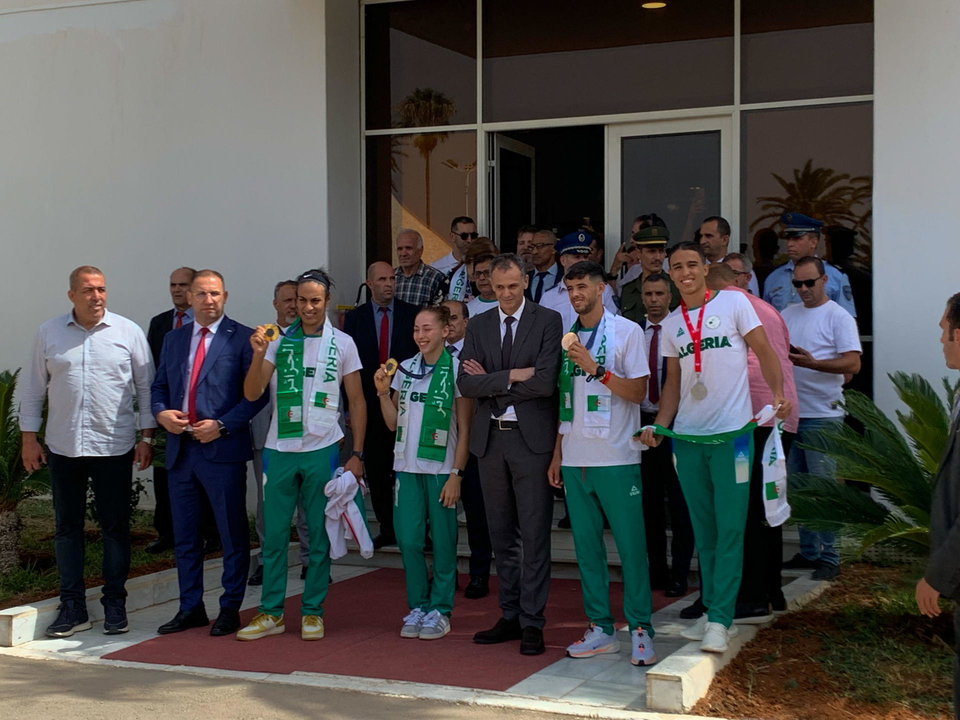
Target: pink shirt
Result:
[[779, 338]]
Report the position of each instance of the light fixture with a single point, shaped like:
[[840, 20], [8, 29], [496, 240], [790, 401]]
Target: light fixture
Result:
[[653, 5]]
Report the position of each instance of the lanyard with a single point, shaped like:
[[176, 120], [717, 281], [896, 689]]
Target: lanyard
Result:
[[577, 328], [695, 336]]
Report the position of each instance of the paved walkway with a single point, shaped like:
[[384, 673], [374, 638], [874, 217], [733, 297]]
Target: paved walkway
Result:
[[607, 686]]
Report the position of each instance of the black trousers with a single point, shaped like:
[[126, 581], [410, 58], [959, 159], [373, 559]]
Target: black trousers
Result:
[[478, 534], [378, 466], [762, 544], [660, 481]]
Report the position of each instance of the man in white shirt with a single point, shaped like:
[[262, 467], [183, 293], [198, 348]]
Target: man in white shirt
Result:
[[89, 364], [827, 346], [603, 379], [463, 231]]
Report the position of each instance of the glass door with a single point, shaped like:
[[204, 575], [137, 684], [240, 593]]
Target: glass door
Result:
[[514, 189], [681, 170]]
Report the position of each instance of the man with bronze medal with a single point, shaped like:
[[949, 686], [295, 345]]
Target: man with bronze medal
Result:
[[706, 395]]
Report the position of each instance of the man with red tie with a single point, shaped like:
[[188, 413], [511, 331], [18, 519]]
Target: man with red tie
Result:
[[197, 397]]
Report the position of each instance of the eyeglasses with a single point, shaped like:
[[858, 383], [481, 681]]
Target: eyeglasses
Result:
[[537, 246], [806, 283], [468, 235], [481, 273]]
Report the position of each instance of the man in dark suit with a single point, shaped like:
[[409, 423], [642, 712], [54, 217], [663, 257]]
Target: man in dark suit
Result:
[[942, 576], [160, 325], [381, 328], [509, 364], [547, 271], [197, 397]]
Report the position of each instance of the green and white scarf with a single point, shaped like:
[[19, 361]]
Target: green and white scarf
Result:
[[324, 405], [596, 396], [437, 409]]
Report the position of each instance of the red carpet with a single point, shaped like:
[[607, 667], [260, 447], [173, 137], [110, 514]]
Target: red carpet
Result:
[[363, 617]]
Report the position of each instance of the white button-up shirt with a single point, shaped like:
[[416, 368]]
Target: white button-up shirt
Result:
[[90, 377]]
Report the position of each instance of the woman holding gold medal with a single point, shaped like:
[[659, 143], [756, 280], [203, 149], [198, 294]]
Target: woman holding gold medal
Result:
[[432, 424]]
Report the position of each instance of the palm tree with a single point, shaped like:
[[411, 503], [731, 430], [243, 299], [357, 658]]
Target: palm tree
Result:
[[899, 470], [425, 107], [821, 193], [13, 476]]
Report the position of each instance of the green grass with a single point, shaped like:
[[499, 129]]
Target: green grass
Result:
[[883, 652]]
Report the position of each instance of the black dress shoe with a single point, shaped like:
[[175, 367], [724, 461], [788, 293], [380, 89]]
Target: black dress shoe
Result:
[[503, 631], [184, 620], [799, 562], [477, 588], [692, 612], [303, 572], [382, 540], [564, 522], [227, 622], [676, 588], [256, 577], [753, 613], [161, 544], [531, 643]]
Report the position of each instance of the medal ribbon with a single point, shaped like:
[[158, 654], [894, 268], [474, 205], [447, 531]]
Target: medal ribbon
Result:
[[695, 336]]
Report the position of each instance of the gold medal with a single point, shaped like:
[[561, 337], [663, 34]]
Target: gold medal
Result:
[[271, 332], [567, 341], [390, 367]]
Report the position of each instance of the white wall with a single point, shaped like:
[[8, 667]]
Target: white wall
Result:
[[143, 135], [916, 156]]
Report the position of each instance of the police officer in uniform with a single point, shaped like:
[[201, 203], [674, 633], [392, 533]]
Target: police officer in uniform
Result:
[[802, 234]]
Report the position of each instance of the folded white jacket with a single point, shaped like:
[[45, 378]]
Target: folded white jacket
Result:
[[345, 516]]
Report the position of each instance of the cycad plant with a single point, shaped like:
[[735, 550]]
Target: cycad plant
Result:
[[14, 485], [898, 469]]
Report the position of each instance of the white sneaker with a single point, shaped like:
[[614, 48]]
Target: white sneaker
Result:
[[594, 642], [434, 626], [412, 623], [696, 631], [642, 653], [715, 638]]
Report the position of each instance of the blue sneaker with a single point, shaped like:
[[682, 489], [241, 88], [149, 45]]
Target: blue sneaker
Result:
[[71, 619], [114, 620], [434, 626], [594, 642], [642, 653]]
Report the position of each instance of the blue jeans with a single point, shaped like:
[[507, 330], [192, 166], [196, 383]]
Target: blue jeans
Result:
[[111, 478], [814, 545]]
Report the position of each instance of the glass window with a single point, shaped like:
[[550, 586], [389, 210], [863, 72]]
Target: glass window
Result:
[[421, 63], [563, 58], [817, 48], [421, 182]]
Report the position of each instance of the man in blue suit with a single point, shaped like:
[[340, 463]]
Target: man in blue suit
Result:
[[197, 397]]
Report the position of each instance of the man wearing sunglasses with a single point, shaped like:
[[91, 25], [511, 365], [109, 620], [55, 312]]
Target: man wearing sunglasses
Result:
[[802, 234], [463, 231], [546, 271], [825, 348]]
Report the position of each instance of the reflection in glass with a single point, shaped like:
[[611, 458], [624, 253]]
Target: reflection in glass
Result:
[[566, 58], [417, 52], [817, 48], [419, 181]]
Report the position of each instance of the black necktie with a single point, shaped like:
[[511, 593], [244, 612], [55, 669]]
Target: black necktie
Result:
[[541, 277], [506, 347], [452, 349]]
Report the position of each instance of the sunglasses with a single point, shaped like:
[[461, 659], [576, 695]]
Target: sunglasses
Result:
[[468, 235], [806, 283]]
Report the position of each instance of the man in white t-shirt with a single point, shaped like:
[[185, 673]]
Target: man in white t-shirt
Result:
[[572, 249], [463, 231], [827, 346], [602, 381], [304, 370], [707, 392]]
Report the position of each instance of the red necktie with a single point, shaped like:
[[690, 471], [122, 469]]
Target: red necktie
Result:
[[654, 362], [384, 336], [180, 316], [194, 375]]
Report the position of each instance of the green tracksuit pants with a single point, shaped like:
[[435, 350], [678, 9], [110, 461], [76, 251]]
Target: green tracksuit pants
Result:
[[715, 480], [616, 492], [288, 476], [417, 498]]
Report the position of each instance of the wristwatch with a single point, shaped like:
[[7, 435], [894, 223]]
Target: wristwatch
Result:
[[600, 373], [149, 441], [456, 471], [223, 429], [358, 454]]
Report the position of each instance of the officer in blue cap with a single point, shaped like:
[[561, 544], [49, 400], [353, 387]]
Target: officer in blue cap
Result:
[[802, 234], [571, 249]]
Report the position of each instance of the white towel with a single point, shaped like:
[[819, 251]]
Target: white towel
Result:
[[345, 516]]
